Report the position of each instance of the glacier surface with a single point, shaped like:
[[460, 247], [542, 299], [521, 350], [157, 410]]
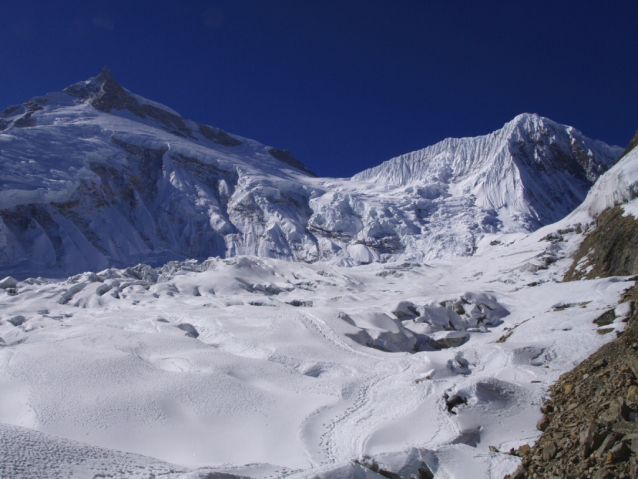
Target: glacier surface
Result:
[[421, 320], [96, 176]]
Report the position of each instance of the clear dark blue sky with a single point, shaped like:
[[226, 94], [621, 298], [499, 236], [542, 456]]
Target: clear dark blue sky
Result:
[[344, 84]]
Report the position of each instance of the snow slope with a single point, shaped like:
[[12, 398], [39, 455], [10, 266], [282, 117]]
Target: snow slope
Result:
[[249, 365], [96, 176], [618, 187], [532, 172], [268, 368]]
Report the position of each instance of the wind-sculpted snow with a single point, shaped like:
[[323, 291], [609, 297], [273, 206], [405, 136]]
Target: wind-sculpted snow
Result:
[[531, 173], [618, 187], [264, 368], [96, 176]]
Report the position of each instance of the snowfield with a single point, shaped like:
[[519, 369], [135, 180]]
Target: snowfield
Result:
[[404, 320], [265, 368]]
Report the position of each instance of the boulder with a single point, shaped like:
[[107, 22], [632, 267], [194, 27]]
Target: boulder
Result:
[[8, 282], [17, 320], [450, 339], [191, 332]]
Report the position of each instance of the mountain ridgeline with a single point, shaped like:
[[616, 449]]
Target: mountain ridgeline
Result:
[[96, 176]]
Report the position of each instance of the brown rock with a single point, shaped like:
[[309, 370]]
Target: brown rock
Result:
[[549, 451], [625, 427], [617, 411], [632, 393], [519, 473], [587, 435], [607, 444], [523, 450], [603, 474], [632, 362], [620, 452], [543, 424], [547, 408]]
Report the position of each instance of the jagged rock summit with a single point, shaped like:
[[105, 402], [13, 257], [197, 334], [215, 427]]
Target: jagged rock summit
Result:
[[96, 176]]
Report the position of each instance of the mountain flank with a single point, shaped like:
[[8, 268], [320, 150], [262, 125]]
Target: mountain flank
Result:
[[96, 176], [589, 424]]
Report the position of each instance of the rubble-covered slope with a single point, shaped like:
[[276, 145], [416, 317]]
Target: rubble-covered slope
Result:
[[589, 427], [589, 424], [611, 247]]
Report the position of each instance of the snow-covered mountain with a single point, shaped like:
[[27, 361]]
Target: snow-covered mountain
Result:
[[532, 172], [96, 176], [239, 366]]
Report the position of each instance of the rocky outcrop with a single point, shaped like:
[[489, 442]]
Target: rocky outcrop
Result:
[[611, 249], [589, 424], [287, 157], [632, 144]]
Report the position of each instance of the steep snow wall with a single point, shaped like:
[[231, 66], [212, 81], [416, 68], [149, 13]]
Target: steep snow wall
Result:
[[96, 176], [533, 170]]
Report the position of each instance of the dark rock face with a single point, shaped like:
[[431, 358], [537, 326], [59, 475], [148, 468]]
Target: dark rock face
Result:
[[217, 135], [288, 158], [611, 249], [632, 144], [589, 422], [112, 96], [107, 95]]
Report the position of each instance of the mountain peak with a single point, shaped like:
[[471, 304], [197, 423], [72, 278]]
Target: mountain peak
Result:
[[526, 117], [533, 171], [529, 121], [112, 95], [105, 76]]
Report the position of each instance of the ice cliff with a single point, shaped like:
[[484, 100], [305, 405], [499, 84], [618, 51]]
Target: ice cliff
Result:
[[96, 176]]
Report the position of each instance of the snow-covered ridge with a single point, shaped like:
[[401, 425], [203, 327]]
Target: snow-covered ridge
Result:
[[533, 171], [618, 186], [96, 176]]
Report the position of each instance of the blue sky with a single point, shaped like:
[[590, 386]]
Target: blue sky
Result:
[[343, 84]]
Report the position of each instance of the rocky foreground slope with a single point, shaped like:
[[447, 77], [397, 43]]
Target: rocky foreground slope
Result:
[[96, 176], [589, 424]]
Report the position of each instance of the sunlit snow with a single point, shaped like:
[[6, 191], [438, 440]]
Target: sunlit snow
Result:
[[408, 317]]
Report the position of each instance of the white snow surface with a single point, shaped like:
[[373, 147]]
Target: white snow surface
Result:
[[264, 368], [414, 289], [619, 186], [96, 176]]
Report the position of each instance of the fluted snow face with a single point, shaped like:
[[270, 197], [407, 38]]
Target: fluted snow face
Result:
[[96, 176], [532, 172]]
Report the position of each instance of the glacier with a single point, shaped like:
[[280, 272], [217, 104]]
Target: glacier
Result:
[[96, 176], [406, 322]]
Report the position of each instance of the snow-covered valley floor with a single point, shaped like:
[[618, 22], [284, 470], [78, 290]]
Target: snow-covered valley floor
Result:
[[266, 368]]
